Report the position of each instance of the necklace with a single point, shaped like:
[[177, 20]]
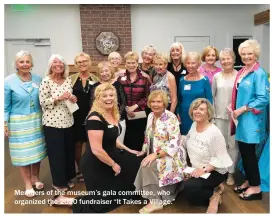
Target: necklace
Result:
[[176, 66], [246, 71], [193, 78], [24, 80]]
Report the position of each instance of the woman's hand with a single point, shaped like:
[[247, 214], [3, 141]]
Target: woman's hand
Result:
[[238, 112], [73, 98], [64, 96], [131, 114], [133, 151], [131, 109], [6, 132], [197, 173], [116, 169], [148, 160], [141, 154]]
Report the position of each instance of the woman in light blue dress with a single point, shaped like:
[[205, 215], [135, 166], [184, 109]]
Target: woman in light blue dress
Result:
[[23, 122], [191, 87]]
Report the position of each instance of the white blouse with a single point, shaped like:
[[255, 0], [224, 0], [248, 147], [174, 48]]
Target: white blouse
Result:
[[208, 147], [55, 115]]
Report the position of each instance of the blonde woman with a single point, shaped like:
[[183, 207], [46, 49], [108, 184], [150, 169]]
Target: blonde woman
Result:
[[55, 90], [107, 76], [222, 85], [81, 84], [175, 65], [210, 56], [23, 121], [164, 80], [115, 59], [104, 168]]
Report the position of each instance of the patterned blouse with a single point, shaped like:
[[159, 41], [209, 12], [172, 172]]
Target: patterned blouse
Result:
[[208, 147], [166, 137], [55, 115]]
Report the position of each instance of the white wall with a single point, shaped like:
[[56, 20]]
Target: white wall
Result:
[[159, 24], [60, 23]]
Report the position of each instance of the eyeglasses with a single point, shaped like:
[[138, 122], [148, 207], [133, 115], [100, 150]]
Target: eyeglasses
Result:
[[82, 62]]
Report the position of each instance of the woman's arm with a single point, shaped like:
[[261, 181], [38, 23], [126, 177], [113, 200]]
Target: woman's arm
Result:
[[122, 146], [45, 97], [173, 92]]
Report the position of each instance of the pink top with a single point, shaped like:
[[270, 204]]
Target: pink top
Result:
[[209, 74]]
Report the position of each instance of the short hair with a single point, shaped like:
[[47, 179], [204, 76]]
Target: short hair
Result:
[[102, 65], [206, 51], [84, 55], [97, 94], [147, 48], [160, 56], [197, 102], [179, 45], [113, 55], [227, 51], [160, 93], [60, 58], [253, 44], [194, 55], [21, 54], [131, 56]]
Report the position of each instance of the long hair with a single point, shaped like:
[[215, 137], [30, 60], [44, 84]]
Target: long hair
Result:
[[97, 106], [50, 62]]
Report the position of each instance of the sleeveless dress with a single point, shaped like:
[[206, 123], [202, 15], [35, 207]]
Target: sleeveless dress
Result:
[[104, 189]]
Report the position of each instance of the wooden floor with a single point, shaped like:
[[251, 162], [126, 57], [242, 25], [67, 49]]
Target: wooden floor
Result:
[[13, 181]]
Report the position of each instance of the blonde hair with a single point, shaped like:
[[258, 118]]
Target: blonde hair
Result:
[[88, 58], [60, 58], [160, 56], [183, 51], [194, 55], [21, 54], [147, 48], [253, 44], [197, 102], [157, 93], [113, 55], [131, 56], [227, 51], [103, 64], [207, 49], [96, 107]]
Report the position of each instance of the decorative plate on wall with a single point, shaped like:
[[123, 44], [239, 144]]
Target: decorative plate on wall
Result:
[[107, 42]]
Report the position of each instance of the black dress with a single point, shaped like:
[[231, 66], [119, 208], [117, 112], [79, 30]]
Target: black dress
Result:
[[83, 95], [177, 74], [99, 177]]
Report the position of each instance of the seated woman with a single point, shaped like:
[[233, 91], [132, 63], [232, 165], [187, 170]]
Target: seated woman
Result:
[[164, 80], [161, 170], [207, 151], [107, 172]]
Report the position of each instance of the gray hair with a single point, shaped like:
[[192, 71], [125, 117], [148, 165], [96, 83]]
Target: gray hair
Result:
[[227, 51], [253, 44], [149, 47], [50, 62], [21, 54]]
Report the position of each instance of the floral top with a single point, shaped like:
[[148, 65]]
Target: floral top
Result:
[[166, 137]]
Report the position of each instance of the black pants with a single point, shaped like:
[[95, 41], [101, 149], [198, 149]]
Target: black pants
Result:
[[134, 136], [250, 163], [199, 190], [61, 154]]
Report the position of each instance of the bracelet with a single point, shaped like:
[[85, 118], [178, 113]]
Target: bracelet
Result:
[[158, 155]]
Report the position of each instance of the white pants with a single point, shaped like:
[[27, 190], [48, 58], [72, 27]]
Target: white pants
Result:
[[123, 127], [232, 145]]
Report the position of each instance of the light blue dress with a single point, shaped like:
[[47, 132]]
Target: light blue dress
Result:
[[187, 93]]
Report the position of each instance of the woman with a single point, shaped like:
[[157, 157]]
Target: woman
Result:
[[136, 88], [210, 55], [161, 169], [146, 66], [55, 94], [192, 86], [222, 85], [164, 80], [115, 60], [81, 84], [175, 65], [23, 122], [206, 148], [250, 98], [107, 76]]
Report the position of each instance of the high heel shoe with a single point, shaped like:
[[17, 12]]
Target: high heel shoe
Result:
[[52, 201], [213, 209], [60, 189], [255, 196], [238, 189]]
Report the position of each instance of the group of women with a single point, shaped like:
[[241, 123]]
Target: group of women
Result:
[[162, 113]]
